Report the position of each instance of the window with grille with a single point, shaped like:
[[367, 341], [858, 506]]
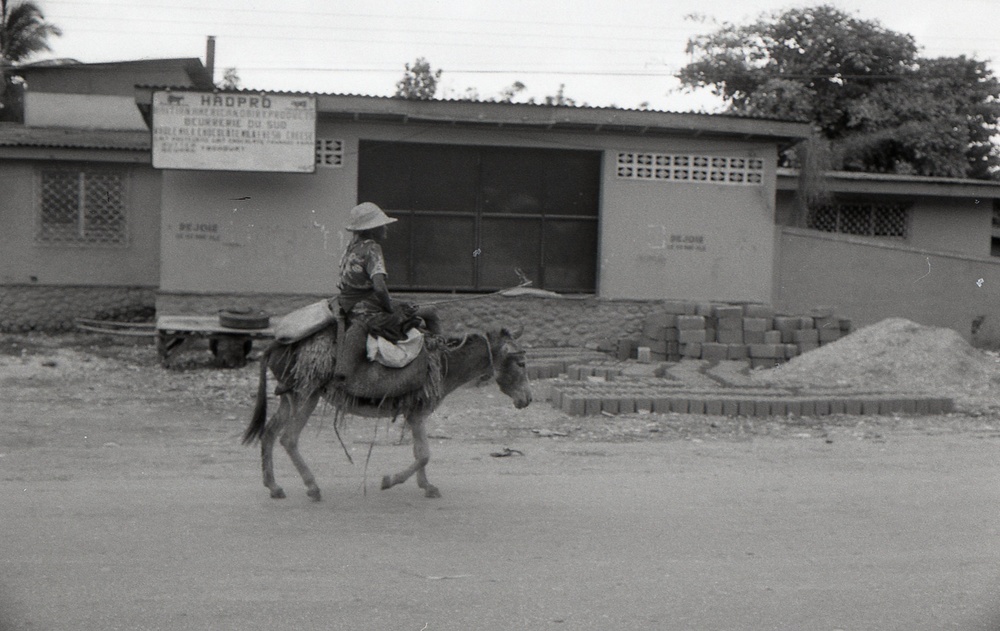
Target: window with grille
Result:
[[676, 167], [865, 219], [82, 207], [329, 153]]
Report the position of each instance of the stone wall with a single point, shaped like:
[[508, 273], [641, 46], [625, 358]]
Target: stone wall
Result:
[[55, 308], [548, 320]]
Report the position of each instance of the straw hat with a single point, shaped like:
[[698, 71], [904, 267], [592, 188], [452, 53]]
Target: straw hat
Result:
[[367, 216]]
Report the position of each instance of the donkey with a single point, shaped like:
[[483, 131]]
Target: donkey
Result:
[[477, 356]]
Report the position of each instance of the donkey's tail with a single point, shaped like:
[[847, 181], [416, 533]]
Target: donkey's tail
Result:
[[255, 430]]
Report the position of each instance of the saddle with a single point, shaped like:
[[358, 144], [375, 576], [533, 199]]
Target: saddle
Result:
[[362, 378]]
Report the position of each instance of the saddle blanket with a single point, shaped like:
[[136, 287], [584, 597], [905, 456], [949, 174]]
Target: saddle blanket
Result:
[[395, 355]]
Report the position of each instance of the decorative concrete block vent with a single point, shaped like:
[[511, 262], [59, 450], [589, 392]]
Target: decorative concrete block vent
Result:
[[717, 332]]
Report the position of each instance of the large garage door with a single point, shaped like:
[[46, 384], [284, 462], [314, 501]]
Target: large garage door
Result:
[[470, 216]]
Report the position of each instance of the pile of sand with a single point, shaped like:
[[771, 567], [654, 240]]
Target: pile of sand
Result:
[[893, 354]]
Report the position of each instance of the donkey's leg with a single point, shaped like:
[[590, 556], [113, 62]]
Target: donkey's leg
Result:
[[301, 410], [421, 456], [274, 427]]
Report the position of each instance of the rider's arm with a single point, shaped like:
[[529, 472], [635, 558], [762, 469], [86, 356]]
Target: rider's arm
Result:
[[381, 291]]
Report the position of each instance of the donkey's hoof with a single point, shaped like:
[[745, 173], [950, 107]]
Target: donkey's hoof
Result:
[[315, 494], [386, 482], [432, 491], [278, 493]]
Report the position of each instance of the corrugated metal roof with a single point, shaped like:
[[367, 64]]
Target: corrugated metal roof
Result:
[[528, 116], [15, 135]]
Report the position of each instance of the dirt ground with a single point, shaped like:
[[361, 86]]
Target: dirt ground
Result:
[[129, 503]]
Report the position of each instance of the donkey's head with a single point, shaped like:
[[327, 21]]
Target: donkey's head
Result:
[[510, 367]]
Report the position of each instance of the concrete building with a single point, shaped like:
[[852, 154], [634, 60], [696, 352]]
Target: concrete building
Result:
[[609, 212]]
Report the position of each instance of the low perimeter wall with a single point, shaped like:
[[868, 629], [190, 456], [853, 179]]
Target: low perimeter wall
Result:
[[55, 308], [868, 281]]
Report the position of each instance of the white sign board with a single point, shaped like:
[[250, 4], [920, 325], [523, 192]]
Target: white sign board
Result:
[[234, 132]]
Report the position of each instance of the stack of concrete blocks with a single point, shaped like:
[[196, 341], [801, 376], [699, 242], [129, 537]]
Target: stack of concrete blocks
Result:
[[712, 331]]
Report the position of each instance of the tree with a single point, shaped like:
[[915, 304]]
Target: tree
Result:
[[230, 79], [23, 32], [419, 82], [874, 102]]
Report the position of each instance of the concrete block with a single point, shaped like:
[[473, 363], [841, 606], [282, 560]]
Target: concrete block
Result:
[[852, 407], [829, 335], [714, 351], [730, 407], [729, 324], [705, 309], [810, 336], [679, 405], [838, 406], [827, 323], [688, 322], [692, 350], [592, 406], [772, 337], [793, 407], [713, 407], [696, 406], [737, 351], [687, 336], [730, 336], [767, 350], [791, 350], [661, 404], [762, 407], [869, 407], [655, 346], [909, 406], [747, 407], [644, 403], [779, 407], [575, 405], [822, 407], [805, 322], [609, 405], [805, 347], [807, 407], [758, 311], [728, 312], [845, 326], [753, 337], [821, 312], [787, 323], [626, 405], [889, 406], [756, 324]]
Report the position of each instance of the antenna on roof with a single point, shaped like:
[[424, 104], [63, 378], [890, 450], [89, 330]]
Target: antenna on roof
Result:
[[210, 57]]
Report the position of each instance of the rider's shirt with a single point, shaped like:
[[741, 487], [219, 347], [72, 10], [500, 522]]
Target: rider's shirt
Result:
[[362, 260]]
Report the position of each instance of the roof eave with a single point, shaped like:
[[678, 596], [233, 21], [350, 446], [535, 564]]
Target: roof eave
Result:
[[892, 184]]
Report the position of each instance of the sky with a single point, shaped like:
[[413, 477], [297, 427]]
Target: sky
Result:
[[602, 52]]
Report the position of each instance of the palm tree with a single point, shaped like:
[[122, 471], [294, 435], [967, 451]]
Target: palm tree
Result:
[[23, 32]]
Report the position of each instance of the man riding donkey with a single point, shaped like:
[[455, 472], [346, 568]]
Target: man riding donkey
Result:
[[364, 300]]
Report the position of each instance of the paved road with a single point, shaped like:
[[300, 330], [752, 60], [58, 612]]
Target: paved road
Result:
[[775, 533]]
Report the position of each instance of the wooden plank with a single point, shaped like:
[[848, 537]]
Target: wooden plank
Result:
[[205, 325]]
